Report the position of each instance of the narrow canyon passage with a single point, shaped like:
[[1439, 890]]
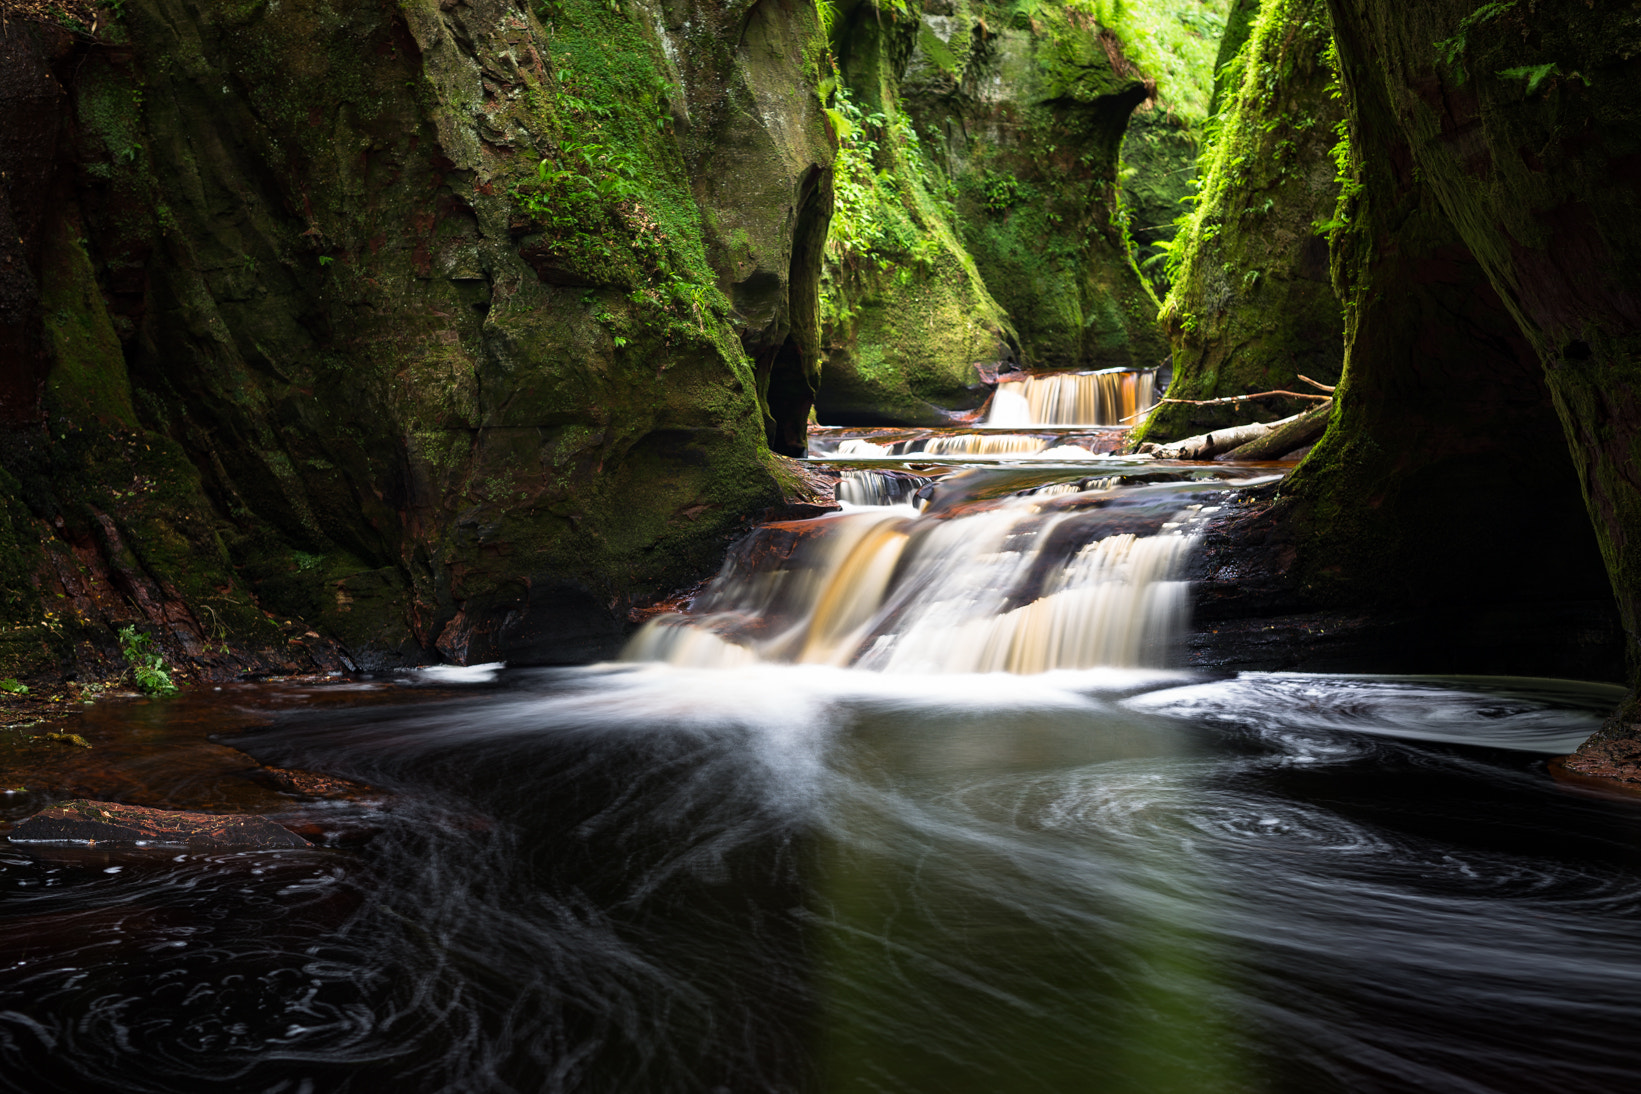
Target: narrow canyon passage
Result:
[[837, 547]]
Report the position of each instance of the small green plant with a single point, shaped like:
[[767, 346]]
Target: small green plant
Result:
[[326, 260], [13, 685], [1533, 74], [1452, 50], [1001, 191], [147, 666]]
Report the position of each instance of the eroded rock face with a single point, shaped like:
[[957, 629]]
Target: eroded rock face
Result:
[[1028, 117], [82, 821], [1525, 123], [446, 330]]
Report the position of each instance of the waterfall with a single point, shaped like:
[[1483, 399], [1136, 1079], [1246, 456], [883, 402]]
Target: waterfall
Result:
[[1020, 587], [1113, 397], [879, 487], [967, 444]]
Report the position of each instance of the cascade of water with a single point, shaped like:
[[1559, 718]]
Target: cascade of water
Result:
[[965, 444], [879, 487], [1019, 587], [974, 444], [1113, 397]]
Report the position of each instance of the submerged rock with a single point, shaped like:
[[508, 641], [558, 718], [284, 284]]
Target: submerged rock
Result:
[[82, 821]]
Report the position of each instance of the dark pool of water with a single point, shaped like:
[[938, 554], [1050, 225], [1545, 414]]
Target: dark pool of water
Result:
[[785, 878]]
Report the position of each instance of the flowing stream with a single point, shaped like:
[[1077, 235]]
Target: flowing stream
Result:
[[911, 798]]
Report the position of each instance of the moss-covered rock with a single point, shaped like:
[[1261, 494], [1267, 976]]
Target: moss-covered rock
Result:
[[1251, 306], [448, 330], [980, 216], [1030, 134], [906, 314], [1443, 477], [1158, 176], [1525, 122]]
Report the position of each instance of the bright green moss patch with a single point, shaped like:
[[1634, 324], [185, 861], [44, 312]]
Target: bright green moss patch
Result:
[[1251, 304]]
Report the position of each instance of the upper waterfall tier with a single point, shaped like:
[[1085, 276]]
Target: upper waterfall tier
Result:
[[1113, 397]]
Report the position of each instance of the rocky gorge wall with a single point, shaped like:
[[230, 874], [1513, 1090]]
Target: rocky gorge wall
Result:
[[986, 210], [1468, 501], [369, 335], [1252, 305], [1524, 120]]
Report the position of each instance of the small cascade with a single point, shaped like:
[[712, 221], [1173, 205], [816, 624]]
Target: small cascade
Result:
[[1112, 397], [966, 444], [1024, 586], [879, 487], [974, 444]]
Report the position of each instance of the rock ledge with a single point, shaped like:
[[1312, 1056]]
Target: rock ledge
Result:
[[83, 821]]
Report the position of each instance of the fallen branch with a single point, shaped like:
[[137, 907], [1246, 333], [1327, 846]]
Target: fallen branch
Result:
[[1279, 441], [1315, 383], [1231, 399], [1208, 445]]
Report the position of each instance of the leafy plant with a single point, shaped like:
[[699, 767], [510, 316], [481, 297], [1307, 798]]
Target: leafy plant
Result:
[[1533, 74], [595, 201], [13, 685], [1451, 49], [147, 666], [1001, 191]]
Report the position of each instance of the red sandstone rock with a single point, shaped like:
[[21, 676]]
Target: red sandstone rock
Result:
[[82, 821]]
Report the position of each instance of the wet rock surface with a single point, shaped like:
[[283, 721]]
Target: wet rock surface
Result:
[[83, 821], [1253, 610], [309, 785]]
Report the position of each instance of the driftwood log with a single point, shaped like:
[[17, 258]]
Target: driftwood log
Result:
[[1205, 446], [1299, 431]]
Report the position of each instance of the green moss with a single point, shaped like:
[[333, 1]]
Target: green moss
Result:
[[905, 312], [1251, 304], [87, 378], [1000, 209]]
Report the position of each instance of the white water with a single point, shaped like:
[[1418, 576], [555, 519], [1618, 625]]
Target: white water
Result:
[[1087, 398], [1017, 588], [1003, 445], [879, 487]]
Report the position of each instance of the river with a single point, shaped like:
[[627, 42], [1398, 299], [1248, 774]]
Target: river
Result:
[[806, 863]]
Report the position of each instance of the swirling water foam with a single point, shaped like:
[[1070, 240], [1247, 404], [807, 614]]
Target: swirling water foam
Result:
[[795, 877]]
